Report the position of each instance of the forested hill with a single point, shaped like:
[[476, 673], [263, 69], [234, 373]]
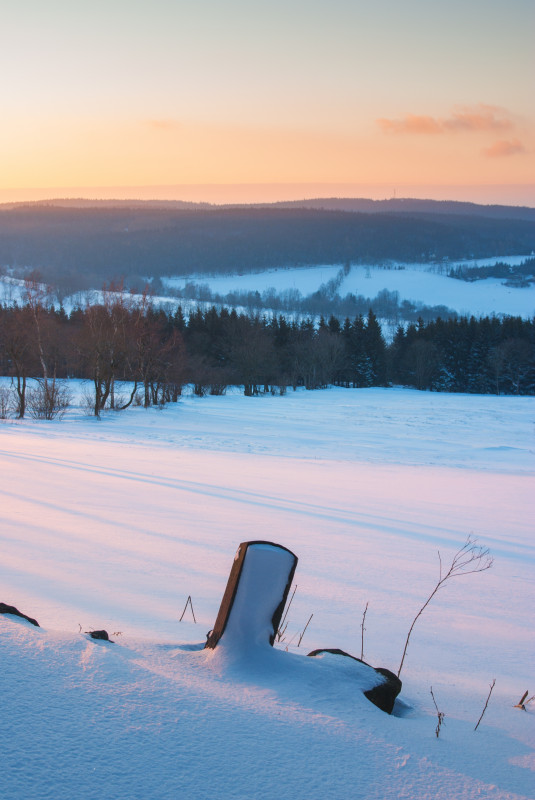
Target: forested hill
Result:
[[412, 206], [350, 204], [85, 247]]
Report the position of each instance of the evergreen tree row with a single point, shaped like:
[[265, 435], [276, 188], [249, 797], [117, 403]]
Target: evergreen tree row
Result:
[[125, 340]]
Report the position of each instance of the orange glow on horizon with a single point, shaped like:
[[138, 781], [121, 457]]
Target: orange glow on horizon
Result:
[[502, 194], [167, 152]]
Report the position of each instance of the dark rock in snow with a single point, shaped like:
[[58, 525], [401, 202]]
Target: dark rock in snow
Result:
[[100, 635], [5, 609], [384, 695]]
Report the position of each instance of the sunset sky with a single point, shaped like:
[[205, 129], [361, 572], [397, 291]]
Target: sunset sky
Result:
[[138, 98]]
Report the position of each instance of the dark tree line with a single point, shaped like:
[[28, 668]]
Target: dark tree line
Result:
[[115, 341], [121, 340], [80, 248], [486, 356], [520, 275]]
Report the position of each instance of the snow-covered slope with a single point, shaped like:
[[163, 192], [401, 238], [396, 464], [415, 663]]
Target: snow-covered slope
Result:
[[112, 524], [420, 284], [417, 283]]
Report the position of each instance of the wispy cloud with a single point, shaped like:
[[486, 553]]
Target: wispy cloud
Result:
[[411, 123], [505, 148], [479, 118], [465, 119]]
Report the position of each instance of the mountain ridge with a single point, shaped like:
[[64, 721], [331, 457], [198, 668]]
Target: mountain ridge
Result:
[[402, 205]]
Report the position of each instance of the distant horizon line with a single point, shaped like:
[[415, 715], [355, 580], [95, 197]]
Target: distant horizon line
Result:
[[260, 192]]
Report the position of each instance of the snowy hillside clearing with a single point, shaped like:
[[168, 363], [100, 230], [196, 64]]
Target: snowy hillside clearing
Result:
[[420, 284], [417, 283]]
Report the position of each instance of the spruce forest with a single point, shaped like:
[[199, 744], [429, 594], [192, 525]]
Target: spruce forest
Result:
[[128, 342]]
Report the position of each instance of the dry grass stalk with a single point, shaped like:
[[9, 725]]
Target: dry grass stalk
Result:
[[470, 558], [440, 715], [188, 602], [522, 703], [486, 703], [362, 629]]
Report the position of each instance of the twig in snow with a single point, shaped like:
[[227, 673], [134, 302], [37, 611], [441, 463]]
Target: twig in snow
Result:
[[362, 629], [486, 704], [192, 611], [523, 702], [291, 640], [469, 558], [440, 715], [304, 629], [281, 632], [282, 627]]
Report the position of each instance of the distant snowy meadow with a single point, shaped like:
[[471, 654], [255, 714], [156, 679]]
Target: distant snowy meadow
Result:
[[424, 284], [113, 523], [420, 284]]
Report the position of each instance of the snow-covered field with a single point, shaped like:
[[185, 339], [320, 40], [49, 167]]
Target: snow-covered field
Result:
[[113, 523], [418, 283]]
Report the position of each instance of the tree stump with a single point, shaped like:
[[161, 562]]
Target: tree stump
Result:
[[256, 593]]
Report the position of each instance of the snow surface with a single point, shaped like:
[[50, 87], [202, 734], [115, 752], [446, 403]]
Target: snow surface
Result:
[[419, 283], [113, 523]]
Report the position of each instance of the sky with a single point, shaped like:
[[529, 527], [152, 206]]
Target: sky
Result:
[[214, 100]]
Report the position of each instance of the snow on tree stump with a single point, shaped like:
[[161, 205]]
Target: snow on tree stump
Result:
[[100, 635], [252, 608], [7, 609], [384, 694], [256, 593]]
